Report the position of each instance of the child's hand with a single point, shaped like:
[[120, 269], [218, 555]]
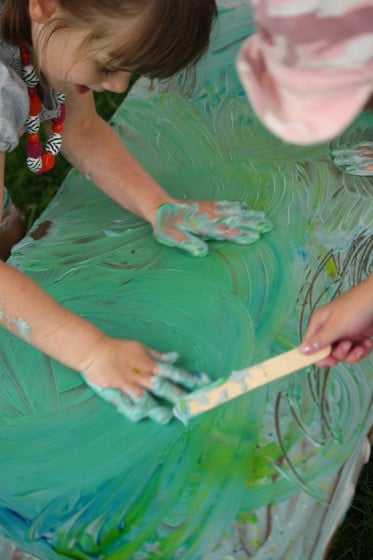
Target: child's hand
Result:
[[186, 224], [354, 160], [346, 323], [133, 378]]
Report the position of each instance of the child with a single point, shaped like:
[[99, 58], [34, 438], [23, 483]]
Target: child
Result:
[[78, 47], [346, 322], [12, 225], [308, 72]]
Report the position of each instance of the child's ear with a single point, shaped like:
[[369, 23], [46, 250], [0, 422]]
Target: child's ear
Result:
[[42, 10]]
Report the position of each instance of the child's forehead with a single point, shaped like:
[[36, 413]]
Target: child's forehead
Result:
[[118, 27], [109, 52], [114, 41], [113, 34]]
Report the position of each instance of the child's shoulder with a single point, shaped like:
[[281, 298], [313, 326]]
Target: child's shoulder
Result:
[[14, 101], [9, 56]]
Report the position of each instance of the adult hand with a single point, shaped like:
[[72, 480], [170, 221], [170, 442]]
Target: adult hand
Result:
[[187, 224]]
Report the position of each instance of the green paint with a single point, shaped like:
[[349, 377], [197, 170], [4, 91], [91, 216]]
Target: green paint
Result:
[[77, 480], [245, 225]]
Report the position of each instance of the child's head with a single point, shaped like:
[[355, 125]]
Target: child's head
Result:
[[159, 38]]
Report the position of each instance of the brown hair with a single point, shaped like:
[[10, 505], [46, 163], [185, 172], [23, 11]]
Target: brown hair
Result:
[[165, 35]]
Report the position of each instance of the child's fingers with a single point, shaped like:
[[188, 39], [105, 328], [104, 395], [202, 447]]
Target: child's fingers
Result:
[[168, 357], [348, 351], [165, 389], [151, 408], [240, 236], [189, 380], [186, 224], [120, 400], [184, 241], [142, 388], [327, 362], [319, 332], [316, 322], [355, 160], [359, 351], [341, 350], [133, 406]]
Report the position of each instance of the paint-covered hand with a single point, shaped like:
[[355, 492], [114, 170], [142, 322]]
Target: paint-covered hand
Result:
[[139, 382], [187, 224], [355, 160]]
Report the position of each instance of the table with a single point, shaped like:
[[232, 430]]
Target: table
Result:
[[267, 476]]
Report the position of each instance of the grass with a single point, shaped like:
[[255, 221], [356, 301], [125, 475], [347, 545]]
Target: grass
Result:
[[354, 539]]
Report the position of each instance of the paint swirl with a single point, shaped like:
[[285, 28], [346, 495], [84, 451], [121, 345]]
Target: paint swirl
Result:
[[77, 480]]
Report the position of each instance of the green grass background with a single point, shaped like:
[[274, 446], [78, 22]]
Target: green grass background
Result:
[[354, 539]]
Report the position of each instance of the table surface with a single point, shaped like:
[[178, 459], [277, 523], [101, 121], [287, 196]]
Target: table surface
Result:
[[267, 476]]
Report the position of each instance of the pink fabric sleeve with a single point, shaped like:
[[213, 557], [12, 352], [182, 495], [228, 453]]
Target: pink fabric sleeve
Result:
[[308, 70]]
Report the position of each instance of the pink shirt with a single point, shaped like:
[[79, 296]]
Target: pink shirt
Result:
[[308, 70]]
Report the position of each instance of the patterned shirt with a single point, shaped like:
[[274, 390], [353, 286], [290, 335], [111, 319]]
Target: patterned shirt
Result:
[[14, 100]]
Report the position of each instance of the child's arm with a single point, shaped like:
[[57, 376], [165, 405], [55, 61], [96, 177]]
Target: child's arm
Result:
[[2, 179], [118, 370], [346, 323], [93, 147], [125, 366], [30, 313]]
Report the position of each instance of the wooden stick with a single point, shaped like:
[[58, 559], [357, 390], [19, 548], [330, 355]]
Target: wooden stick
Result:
[[242, 381]]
